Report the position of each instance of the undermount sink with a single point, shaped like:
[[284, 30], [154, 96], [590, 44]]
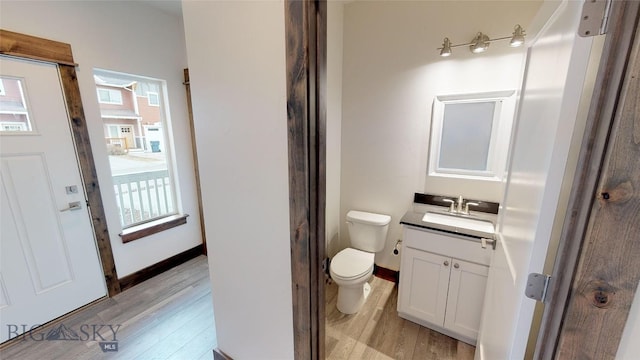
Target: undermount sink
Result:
[[460, 224]]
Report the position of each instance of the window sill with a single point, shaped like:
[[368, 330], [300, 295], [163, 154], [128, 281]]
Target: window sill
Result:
[[489, 177], [153, 227]]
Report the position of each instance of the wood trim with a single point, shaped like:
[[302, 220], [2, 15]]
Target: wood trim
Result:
[[196, 167], [598, 262], [319, 194], [305, 32], [152, 227], [160, 267], [84, 152], [387, 274], [30, 47]]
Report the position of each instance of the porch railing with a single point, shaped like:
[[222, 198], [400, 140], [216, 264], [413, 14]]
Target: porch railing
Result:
[[143, 196]]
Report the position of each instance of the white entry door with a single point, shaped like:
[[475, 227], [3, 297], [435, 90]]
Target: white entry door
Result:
[[553, 83], [126, 132], [49, 262]]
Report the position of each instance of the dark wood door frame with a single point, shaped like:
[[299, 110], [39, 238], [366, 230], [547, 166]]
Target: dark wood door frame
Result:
[[34, 48], [194, 151], [306, 34], [598, 262]]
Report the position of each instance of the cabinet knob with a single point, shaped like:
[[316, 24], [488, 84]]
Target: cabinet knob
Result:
[[456, 265], [446, 263]]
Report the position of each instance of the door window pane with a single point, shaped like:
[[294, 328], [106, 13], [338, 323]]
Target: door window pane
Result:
[[138, 146], [14, 111]]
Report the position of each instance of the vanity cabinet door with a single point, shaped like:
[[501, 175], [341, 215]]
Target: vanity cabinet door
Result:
[[424, 281], [466, 296]]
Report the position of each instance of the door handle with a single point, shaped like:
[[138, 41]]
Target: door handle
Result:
[[74, 205]]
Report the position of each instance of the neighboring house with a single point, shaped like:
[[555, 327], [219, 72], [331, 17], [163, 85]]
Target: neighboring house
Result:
[[130, 113]]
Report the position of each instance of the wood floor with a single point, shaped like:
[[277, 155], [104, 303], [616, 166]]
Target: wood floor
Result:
[[377, 332], [171, 317], [167, 317]]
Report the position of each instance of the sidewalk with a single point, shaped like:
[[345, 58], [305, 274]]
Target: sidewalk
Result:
[[137, 161]]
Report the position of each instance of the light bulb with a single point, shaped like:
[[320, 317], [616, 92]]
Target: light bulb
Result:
[[479, 44], [518, 37], [446, 48]]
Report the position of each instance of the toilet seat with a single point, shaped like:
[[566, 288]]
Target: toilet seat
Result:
[[351, 264]]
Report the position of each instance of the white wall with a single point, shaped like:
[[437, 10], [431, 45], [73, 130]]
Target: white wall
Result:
[[392, 72], [131, 38], [335, 17], [236, 52]]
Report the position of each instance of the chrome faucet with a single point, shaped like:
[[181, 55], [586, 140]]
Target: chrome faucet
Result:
[[466, 207], [455, 207], [459, 208], [452, 205]]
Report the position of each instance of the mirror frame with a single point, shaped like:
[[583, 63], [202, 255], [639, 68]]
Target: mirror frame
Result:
[[502, 123]]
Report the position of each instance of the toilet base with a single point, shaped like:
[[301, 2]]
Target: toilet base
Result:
[[351, 298]]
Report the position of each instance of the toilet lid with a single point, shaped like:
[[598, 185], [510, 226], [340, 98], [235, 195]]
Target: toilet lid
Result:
[[351, 263]]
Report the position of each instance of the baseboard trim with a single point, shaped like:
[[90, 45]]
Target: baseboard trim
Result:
[[387, 274], [158, 268], [220, 355]]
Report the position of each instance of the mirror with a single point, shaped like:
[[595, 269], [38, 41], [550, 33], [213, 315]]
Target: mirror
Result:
[[470, 135]]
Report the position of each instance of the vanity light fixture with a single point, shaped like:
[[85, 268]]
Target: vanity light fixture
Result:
[[518, 37], [446, 48], [481, 42]]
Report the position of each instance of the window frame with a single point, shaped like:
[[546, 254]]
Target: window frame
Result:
[[138, 229], [503, 115], [109, 91], [157, 103]]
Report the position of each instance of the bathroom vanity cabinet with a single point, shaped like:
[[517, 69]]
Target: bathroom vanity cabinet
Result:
[[442, 281]]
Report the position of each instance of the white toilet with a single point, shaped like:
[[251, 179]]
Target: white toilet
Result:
[[352, 267]]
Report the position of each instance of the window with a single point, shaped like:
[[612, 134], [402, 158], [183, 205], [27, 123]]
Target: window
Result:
[[143, 176], [14, 112], [470, 135], [109, 96], [153, 99]]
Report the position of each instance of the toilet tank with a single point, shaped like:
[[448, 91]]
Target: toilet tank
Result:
[[368, 231]]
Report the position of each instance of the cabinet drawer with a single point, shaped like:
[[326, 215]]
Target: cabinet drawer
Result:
[[459, 247]]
